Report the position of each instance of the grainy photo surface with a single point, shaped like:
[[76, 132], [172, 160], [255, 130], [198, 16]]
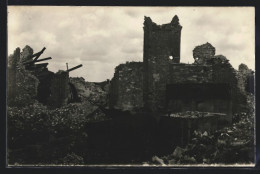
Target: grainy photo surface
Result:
[[138, 86]]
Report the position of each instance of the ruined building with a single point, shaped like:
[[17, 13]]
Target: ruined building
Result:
[[29, 80], [161, 84]]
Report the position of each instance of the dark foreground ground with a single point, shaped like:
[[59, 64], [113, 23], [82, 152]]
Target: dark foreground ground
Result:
[[68, 136]]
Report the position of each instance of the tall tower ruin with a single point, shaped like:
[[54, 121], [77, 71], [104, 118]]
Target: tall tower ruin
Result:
[[161, 48]]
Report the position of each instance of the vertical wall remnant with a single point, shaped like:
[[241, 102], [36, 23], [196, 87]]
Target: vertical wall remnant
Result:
[[161, 47], [126, 91], [59, 89], [203, 52], [12, 66], [22, 84], [245, 78]]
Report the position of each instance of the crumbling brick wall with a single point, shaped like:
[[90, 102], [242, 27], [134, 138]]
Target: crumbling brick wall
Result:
[[161, 47], [126, 91]]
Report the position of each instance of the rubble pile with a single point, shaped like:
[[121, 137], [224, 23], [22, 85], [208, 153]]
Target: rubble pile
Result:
[[89, 91], [228, 145], [50, 132], [56, 132]]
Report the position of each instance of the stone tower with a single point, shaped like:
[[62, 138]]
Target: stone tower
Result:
[[161, 48]]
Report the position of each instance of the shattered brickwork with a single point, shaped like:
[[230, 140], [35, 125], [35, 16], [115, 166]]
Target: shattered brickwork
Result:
[[126, 90]]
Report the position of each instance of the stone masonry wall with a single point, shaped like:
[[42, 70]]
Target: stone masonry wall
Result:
[[203, 52], [161, 47], [155, 100], [189, 73], [222, 72], [126, 91]]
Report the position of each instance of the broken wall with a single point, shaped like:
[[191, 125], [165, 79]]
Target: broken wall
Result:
[[155, 83], [126, 91], [203, 52], [161, 46], [22, 84], [245, 78], [223, 72]]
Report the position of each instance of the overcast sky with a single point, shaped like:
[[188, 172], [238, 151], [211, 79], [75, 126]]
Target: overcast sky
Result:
[[100, 38]]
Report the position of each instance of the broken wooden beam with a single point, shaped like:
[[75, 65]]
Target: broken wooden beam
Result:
[[76, 67], [43, 59], [40, 60], [37, 55]]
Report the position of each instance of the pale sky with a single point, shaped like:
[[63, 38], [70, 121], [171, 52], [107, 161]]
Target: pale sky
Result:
[[101, 38]]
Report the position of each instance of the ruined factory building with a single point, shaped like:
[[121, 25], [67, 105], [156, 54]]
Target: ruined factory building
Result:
[[159, 111]]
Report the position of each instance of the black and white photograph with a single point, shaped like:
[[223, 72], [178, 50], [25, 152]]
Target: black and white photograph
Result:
[[131, 86]]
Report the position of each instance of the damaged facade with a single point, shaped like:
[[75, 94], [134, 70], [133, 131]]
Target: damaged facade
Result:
[[162, 85], [126, 89], [34, 81]]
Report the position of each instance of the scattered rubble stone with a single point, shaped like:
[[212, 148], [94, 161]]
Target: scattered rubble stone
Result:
[[157, 160], [225, 146]]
